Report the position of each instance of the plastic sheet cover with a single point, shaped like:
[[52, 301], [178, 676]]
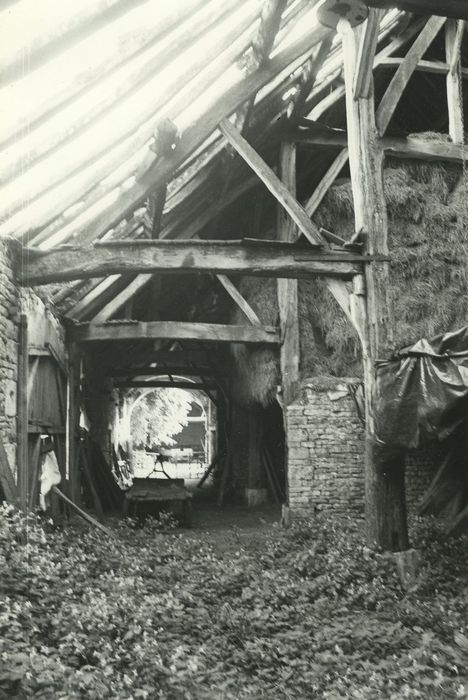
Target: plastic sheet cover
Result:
[[423, 391]]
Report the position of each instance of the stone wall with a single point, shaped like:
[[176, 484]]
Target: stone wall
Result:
[[326, 452], [10, 301], [325, 449]]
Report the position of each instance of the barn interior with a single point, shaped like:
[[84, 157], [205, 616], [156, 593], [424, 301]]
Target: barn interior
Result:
[[255, 203]]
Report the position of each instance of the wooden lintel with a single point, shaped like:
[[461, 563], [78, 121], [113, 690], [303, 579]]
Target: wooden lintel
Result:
[[222, 257], [172, 330]]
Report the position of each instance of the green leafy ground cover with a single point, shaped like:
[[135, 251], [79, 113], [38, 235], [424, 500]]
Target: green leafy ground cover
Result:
[[303, 613]]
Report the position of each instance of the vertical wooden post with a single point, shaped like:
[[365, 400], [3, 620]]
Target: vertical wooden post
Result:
[[73, 415], [384, 481], [22, 413], [453, 38], [288, 302], [287, 289]]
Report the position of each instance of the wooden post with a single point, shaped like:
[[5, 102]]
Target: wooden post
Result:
[[73, 415], [287, 289], [453, 38], [22, 413], [288, 304], [384, 484]]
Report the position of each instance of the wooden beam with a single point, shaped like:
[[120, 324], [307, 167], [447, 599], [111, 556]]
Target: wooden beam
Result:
[[308, 79], [172, 330], [425, 150], [340, 161], [122, 298], [423, 66], [271, 181], [225, 257], [453, 38], [366, 55], [154, 384], [94, 298], [287, 289], [22, 450], [239, 300], [458, 9], [411, 147], [400, 80], [384, 491]]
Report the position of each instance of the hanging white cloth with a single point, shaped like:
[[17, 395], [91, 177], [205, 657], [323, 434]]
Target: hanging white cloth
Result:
[[50, 476]]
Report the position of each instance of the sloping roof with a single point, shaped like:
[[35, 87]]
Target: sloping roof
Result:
[[84, 87]]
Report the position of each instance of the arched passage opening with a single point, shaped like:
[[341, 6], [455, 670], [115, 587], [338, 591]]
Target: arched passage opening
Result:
[[168, 431]]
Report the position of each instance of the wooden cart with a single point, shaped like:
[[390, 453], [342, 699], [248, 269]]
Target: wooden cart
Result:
[[151, 496]]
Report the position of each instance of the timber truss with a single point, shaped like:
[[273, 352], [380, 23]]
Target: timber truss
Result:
[[151, 184]]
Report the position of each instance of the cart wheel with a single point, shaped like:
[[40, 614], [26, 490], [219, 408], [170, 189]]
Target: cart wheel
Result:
[[188, 513]]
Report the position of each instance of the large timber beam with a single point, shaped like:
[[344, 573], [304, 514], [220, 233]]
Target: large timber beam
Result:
[[412, 147], [457, 9], [172, 330], [225, 257], [384, 483]]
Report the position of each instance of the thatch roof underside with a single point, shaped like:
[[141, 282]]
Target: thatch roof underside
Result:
[[112, 116]]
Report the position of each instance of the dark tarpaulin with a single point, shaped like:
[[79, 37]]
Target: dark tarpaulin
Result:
[[423, 391]]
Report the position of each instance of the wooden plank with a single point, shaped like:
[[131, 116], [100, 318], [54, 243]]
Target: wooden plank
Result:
[[453, 38], [173, 330], [35, 463], [222, 257], [385, 507], [400, 80], [72, 422], [239, 300], [287, 290], [7, 480], [22, 413], [271, 181], [457, 9]]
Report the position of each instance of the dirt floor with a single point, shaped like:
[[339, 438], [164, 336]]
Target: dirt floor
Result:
[[233, 524]]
